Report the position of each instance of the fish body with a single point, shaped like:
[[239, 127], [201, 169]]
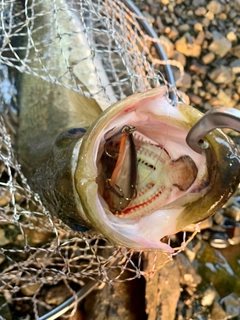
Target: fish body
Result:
[[62, 147]]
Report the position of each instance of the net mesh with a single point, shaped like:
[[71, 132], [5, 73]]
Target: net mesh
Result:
[[38, 251]]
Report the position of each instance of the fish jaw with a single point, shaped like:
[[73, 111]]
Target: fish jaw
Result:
[[157, 120]]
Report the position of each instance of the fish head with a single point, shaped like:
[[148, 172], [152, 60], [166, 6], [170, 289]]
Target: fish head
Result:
[[138, 186]]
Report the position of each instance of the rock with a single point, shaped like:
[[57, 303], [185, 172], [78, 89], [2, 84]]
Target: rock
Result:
[[57, 295], [30, 289], [222, 74], [236, 51], [198, 67], [185, 82], [209, 297], [233, 212], [236, 4], [231, 304], [214, 7], [165, 2], [198, 3], [217, 312], [209, 15], [198, 27], [3, 240], [195, 99], [149, 17], [184, 28], [219, 240], [188, 46], [200, 37], [159, 24], [218, 217], [205, 22], [220, 45], [188, 275], [225, 99], [211, 87], [173, 33], [208, 58], [200, 11], [235, 239], [235, 65], [179, 57], [231, 36], [168, 46]]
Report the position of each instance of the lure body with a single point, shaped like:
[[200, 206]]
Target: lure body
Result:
[[157, 184]]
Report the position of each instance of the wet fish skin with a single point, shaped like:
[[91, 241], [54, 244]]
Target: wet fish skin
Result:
[[61, 162], [48, 110]]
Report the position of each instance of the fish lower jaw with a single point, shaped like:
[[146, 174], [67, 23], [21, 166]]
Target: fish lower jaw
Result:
[[149, 230]]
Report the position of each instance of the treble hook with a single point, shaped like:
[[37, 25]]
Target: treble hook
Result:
[[127, 129]]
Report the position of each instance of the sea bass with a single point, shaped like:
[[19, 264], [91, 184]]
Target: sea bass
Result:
[[126, 172]]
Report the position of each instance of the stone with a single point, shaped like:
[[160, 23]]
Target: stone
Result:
[[217, 312], [198, 27], [185, 82], [149, 17], [222, 74], [233, 212], [168, 46], [198, 68], [53, 297], [209, 15], [165, 2], [184, 28], [235, 239], [195, 99], [214, 7], [200, 37], [173, 33], [219, 240], [211, 87], [220, 45], [188, 46], [235, 66], [179, 57], [231, 305], [225, 99], [208, 58], [159, 24], [209, 297], [236, 51], [200, 11], [3, 240], [30, 289], [205, 22], [236, 4]]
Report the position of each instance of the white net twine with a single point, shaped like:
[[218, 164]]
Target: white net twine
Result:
[[38, 251]]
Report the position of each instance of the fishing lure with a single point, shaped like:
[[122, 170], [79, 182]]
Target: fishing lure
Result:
[[121, 187]]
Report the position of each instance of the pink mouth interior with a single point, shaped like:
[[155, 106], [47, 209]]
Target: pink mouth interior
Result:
[[149, 229]]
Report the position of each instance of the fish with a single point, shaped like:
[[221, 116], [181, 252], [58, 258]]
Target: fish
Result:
[[135, 186]]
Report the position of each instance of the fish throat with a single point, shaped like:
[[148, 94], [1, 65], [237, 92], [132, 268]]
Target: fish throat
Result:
[[139, 176]]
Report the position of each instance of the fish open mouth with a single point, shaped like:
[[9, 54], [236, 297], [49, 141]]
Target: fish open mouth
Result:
[[143, 166]]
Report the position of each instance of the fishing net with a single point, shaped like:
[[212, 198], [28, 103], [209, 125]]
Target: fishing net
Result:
[[38, 251]]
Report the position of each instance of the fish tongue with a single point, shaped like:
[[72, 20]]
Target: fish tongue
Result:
[[184, 172]]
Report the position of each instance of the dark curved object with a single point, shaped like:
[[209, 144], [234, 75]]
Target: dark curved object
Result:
[[161, 53], [215, 118]]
